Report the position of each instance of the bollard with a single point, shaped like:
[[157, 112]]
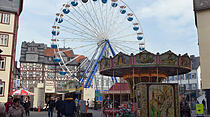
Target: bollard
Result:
[[39, 109]]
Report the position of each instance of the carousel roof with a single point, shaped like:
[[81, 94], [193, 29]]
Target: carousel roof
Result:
[[119, 88], [167, 63]]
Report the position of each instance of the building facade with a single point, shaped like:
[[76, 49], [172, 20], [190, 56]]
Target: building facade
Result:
[[37, 66], [202, 18], [190, 82], [10, 11]]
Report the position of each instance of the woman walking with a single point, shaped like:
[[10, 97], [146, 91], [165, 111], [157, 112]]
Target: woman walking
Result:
[[16, 110]]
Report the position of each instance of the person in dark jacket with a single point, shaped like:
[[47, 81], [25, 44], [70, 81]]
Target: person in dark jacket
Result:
[[27, 105], [51, 105], [58, 106], [69, 107]]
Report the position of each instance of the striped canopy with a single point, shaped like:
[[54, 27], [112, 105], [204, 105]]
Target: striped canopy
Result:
[[22, 92]]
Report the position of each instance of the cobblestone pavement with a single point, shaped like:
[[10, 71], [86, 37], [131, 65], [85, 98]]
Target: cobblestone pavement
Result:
[[96, 113]]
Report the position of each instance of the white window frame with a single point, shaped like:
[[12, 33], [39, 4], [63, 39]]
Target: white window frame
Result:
[[38, 74], [4, 38], [5, 18], [24, 74], [3, 63], [2, 87], [30, 74]]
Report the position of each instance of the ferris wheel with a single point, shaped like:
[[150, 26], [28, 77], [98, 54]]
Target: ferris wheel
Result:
[[95, 28]]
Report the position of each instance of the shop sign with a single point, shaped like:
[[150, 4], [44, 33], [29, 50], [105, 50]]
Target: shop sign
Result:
[[49, 87]]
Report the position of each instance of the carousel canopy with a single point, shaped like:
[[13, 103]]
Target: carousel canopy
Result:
[[167, 64]]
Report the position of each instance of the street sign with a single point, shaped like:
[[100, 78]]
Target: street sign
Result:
[[199, 109]]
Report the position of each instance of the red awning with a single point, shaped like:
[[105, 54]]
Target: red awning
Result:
[[118, 88]]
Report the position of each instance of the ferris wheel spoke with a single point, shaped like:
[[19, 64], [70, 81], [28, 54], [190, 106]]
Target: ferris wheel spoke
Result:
[[73, 33], [112, 18], [79, 56], [82, 32], [117, 24], [123, 41], [120, 48], [123, 36], [85, 19], [97, 17], [129, 47], [80, 23], [122, 29], [77, 26], [92, 19], [111, 25], [101, 13], [77, 39]]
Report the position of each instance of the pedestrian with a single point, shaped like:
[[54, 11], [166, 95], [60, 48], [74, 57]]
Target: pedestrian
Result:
[[8, 104], [2, 110], [187, 110], [69, 107], [21, 100], [59, 106], [27, 105], [16, 110], [87, 105], [51, 106]]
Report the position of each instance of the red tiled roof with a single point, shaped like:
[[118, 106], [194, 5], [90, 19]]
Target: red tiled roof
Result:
[[118, 88], [80, 58], [50, 52]]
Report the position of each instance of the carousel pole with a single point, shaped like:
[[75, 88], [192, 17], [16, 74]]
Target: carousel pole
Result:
[[133, 85], [120, 94], [103, 95], [113, 96], [157, 75]]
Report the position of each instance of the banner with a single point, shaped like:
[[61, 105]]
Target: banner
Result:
[[49, 87]]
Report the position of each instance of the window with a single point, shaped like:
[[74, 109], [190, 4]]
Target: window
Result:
[[2, 64], [24, 65], [190, 86], [172, 78], [194, 76], [194, 86], [30, 65], [4, 18], [4, 39], [189, 76], [30, 74], [2, 89], [38, 66], [24, 74], [37, 74]]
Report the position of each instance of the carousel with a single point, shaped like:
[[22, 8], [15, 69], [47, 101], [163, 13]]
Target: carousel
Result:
[[144, 73]]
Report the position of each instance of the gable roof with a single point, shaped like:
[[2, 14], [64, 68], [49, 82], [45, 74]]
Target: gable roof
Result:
[[195, 62], [50, 52], [80, 58], [14, 6]]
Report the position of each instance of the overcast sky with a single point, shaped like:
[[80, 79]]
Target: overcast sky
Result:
[[167, 24]]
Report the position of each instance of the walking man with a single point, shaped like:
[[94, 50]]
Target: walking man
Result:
[[27, 105], [69, 107], [51, 105], [58, 106]]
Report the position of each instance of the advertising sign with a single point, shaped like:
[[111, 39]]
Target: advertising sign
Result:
[[49, 87]]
